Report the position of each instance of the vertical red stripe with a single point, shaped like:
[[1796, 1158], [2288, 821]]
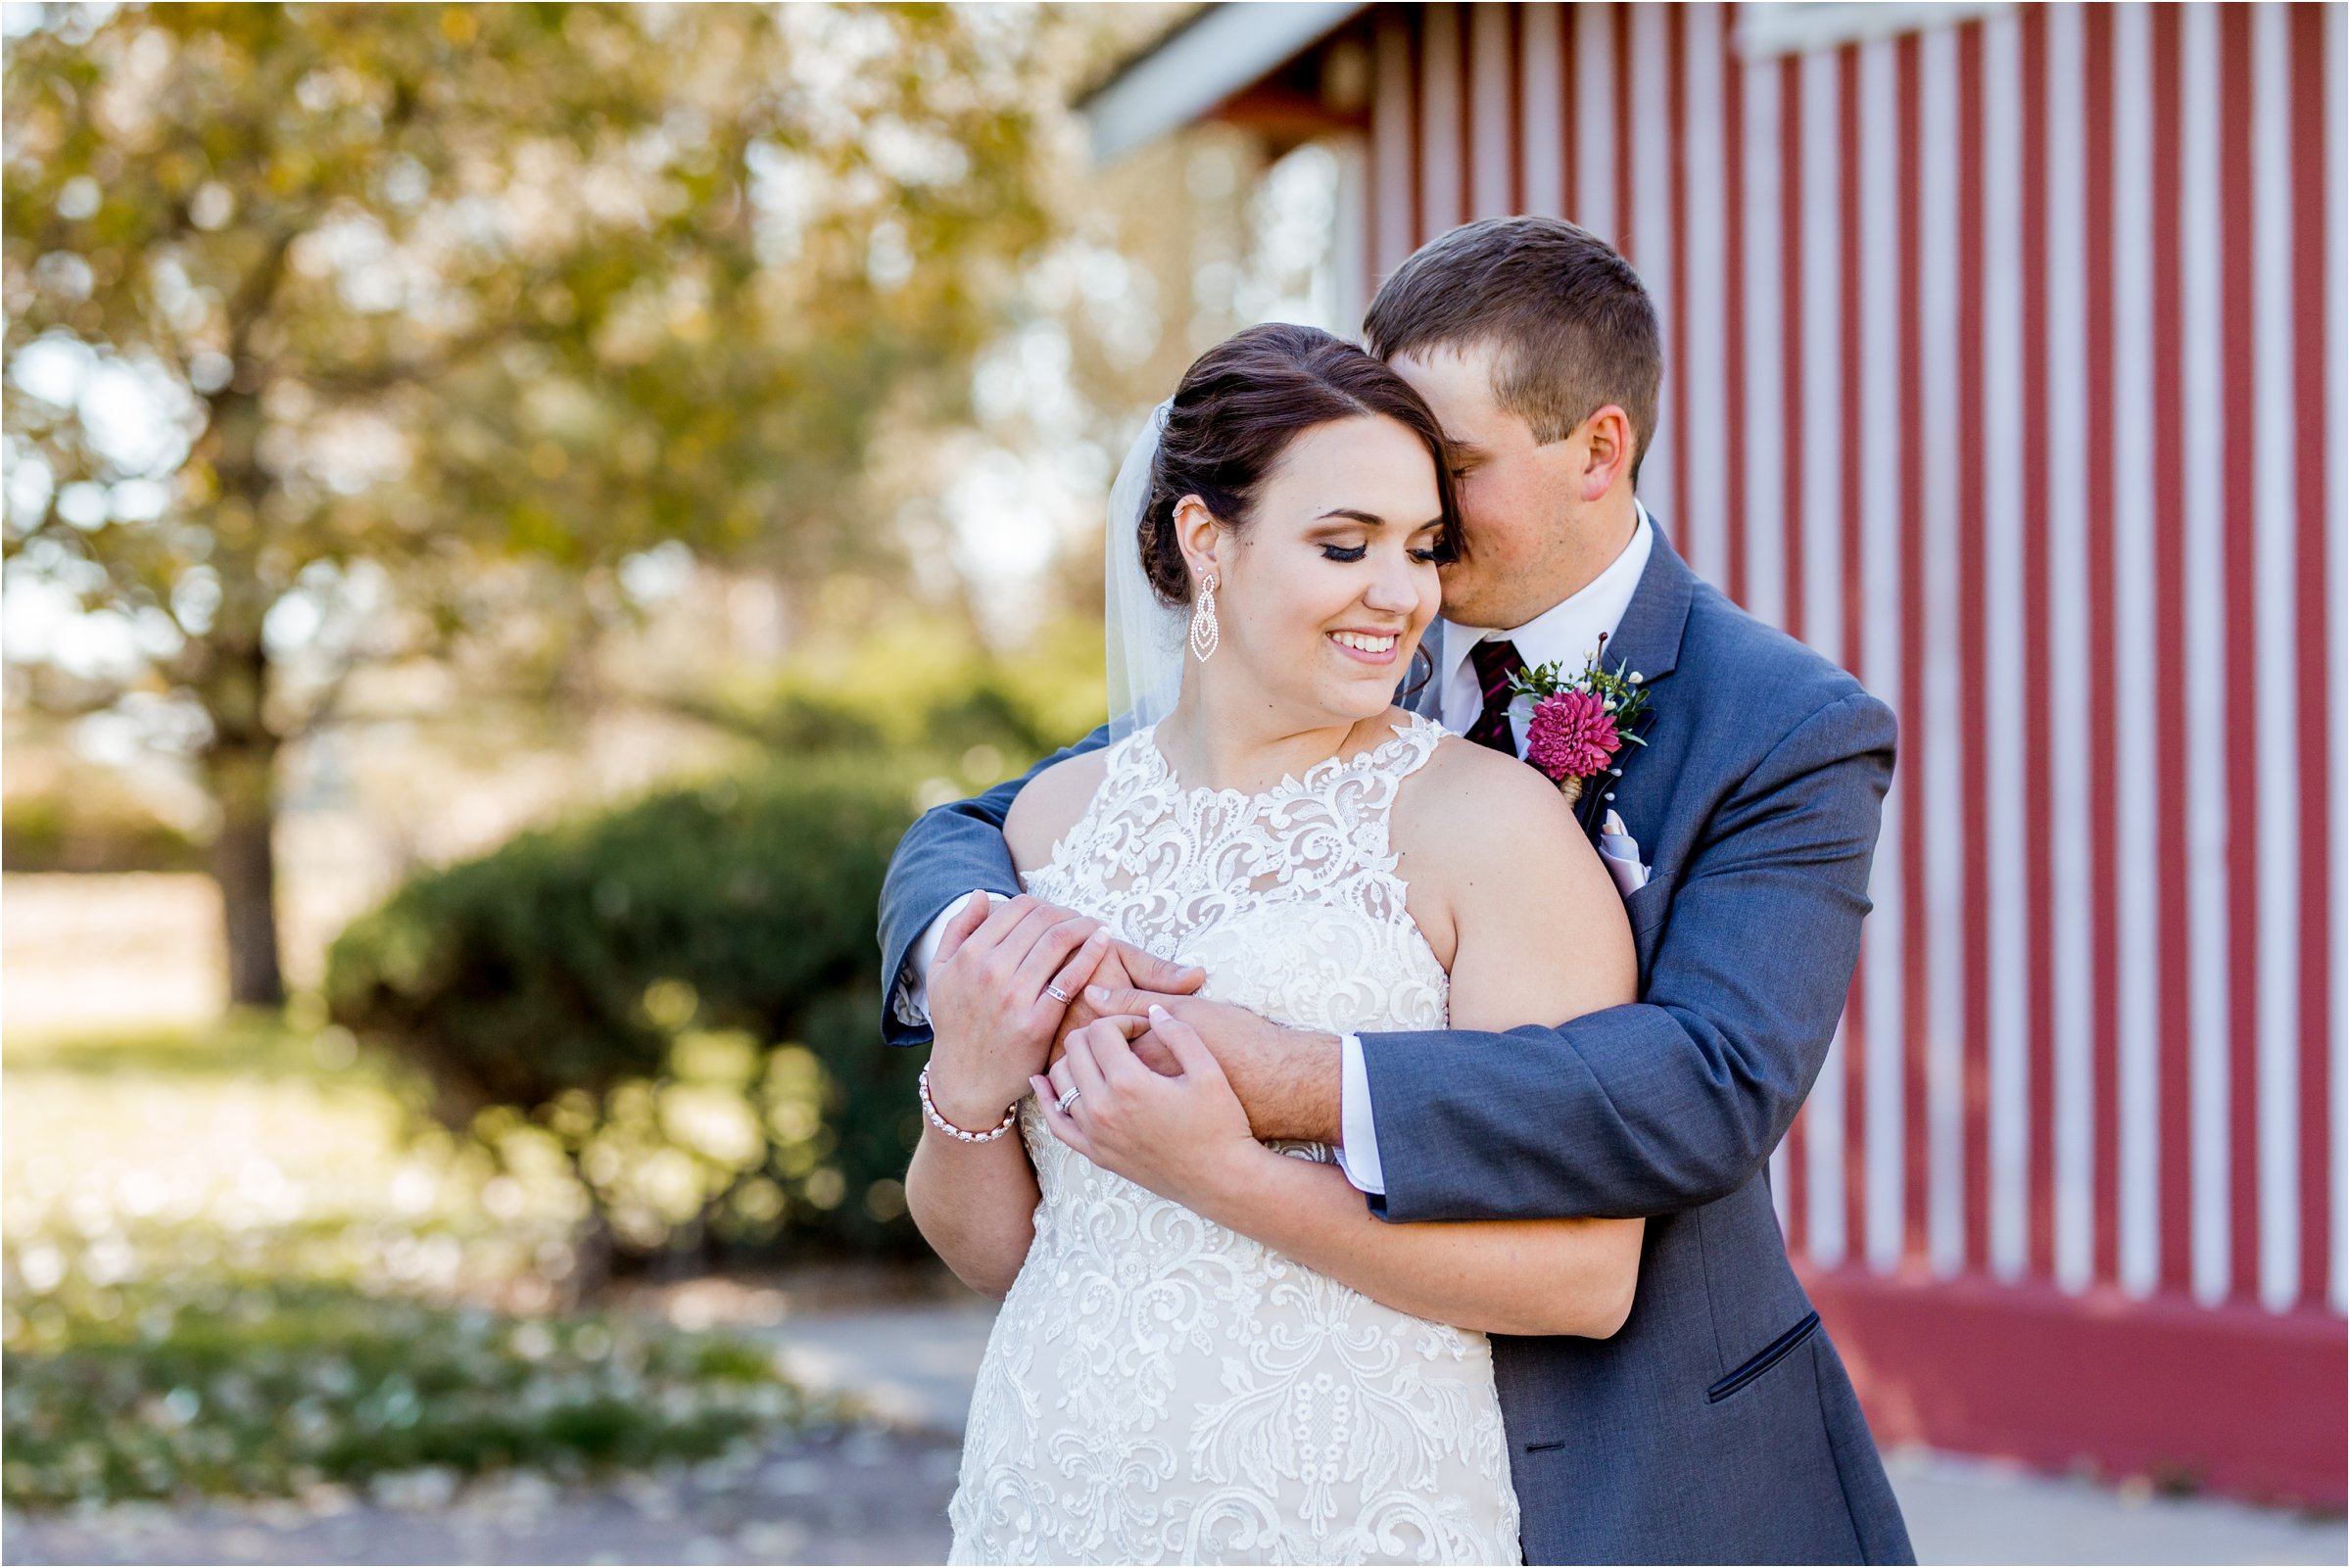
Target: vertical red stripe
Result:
[[1676, 122], [2175, 1136], [1621, 17], [1790, 329], [1515, 30], [1374, 197], [1415, 54], [1848, 455], [2038, 1173], [2097, 265], [1464, 66], [1913, 659], [2313, 610], [1791, 472], [1734, 319], [2243, 801], [1566, 118], [1972, 729]]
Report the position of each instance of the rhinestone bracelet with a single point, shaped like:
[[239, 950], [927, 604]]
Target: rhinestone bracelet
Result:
[[922, 1085]]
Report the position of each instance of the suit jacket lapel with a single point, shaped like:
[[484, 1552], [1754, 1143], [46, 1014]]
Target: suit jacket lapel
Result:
[[1646, 641]]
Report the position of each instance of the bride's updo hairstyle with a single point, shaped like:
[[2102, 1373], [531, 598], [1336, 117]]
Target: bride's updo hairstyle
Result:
[[1237, 409]]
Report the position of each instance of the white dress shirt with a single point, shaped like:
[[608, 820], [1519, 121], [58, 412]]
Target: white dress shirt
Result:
[[1566, 633]]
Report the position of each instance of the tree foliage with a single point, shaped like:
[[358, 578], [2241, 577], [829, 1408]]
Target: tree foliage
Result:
[[328, 325]]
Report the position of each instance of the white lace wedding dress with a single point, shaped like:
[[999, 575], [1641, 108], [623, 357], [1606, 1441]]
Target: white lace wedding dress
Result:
[[1158, 1388]]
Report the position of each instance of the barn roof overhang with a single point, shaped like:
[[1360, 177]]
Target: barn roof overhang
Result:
[[1227, 61], [1281, 68]]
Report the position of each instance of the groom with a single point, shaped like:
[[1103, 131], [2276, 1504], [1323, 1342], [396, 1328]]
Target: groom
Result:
[[1718, 1425]]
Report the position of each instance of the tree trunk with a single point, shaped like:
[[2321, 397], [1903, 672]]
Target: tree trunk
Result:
[[245, 868], [240, 763], [241, 766]]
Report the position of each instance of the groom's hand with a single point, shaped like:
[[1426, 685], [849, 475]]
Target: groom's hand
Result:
[[1287, 1079], [1126, 968]]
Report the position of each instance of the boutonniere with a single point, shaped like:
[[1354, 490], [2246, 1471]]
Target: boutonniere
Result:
[[1580, 722]]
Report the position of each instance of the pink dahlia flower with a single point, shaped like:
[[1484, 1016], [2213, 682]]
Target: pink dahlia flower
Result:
[[1572, 735]]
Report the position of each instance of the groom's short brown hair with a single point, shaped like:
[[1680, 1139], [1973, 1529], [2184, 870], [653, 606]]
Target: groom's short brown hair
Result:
[[1571, 326]]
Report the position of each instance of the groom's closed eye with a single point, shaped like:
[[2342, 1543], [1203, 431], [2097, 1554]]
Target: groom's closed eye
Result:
[[1465, 457]]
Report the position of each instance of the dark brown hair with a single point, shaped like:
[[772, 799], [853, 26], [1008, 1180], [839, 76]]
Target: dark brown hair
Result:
[[1573, 328], [1236, 413]]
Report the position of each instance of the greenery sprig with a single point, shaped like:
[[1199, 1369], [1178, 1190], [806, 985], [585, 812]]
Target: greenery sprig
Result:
[[1621, 691]]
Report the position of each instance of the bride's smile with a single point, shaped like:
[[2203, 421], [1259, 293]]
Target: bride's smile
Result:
[[1371, 647]]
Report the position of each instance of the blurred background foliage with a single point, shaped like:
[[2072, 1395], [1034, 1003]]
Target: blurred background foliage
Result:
[[455, 293], [676, 1000], [517, 506]]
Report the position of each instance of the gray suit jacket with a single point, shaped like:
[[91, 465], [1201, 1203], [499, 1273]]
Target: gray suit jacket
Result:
[[1718, 1425]]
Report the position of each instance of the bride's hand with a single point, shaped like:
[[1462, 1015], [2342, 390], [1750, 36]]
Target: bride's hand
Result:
[[1182, 1137], [993, 1017]]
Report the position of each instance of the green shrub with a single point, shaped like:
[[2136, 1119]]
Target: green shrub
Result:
[[85, 829], [679, 999]]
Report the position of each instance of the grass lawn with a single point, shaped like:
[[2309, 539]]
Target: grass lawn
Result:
[[221, 1272]]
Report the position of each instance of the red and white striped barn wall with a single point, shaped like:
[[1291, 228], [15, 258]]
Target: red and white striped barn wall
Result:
[[2006, 367]]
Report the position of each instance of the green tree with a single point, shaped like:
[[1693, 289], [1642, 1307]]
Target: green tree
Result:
[[328, 324]]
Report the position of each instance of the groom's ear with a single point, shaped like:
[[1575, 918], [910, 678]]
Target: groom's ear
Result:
[[1605, 439]]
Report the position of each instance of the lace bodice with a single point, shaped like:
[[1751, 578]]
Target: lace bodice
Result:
[[1288, 898], [1161, 1389]]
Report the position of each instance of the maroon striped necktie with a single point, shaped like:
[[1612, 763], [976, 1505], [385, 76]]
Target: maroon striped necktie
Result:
[[1497, 663]]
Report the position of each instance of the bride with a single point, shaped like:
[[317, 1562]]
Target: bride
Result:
[[1210, 1350]]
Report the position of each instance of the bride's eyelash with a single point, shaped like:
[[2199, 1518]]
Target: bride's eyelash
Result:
[[1348, 553]]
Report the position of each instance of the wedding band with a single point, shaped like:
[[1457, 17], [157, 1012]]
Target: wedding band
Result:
[[1069, 1099], [1056, 993]]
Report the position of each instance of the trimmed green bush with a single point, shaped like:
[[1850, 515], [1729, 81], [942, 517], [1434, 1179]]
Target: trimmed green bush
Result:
[[680, 998], [85, 829]]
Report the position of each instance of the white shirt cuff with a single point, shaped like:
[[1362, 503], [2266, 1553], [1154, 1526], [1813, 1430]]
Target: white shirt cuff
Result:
[[1359, 1148], [912, 1001]]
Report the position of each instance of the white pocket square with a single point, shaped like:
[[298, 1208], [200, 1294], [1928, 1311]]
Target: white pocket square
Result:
[[1621, 854]]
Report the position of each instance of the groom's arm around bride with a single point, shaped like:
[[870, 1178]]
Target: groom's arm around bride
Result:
[[1663, 1105], [1670, 1103]]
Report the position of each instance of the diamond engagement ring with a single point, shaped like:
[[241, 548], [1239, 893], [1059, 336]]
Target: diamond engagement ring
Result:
[[1069, 1099], [1056, 993]]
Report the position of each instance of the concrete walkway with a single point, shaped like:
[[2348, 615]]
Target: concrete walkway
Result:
[[876, 1492], [915, 1365], [863, 1494]]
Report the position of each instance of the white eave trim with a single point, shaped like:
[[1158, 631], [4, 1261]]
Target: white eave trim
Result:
[[1227, 48], [1766, 27]]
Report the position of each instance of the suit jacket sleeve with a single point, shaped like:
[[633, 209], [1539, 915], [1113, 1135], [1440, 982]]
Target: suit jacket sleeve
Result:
[[950, 850], [1676, 1099]]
